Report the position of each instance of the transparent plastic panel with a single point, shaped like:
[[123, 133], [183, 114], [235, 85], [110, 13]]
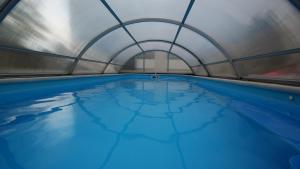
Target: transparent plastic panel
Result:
[[54, 26], [246, 28], [108, 45], [177, 65], [189, 58], [199, 70], [155, 45], [205, 50], [134, 65], [221, 70], [86, 67], [153, 30], [20, 63], [136, 9], [285, 67], [156, 62], [124, 56], [112, 69]]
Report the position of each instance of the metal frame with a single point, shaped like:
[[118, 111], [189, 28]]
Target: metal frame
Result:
[[180, 27], [163, 41], [158, 50], [169, 21]]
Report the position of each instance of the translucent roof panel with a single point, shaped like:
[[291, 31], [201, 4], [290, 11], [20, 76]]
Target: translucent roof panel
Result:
[[205, 50], [189, 58], [169, 9], [153, 30], [246, 28], [54, 26], [123, 57], [155, 45], [108, 45]]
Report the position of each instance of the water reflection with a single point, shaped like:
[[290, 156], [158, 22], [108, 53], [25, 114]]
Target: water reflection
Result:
[[149, 93]]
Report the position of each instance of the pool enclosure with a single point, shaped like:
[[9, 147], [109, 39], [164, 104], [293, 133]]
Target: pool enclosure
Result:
[[149, 84], [256, 39]]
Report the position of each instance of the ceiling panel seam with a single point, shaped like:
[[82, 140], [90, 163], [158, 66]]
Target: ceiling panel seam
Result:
[[120, 22], [180, 27]]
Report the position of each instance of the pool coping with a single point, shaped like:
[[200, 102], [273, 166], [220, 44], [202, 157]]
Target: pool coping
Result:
[[278, 87]]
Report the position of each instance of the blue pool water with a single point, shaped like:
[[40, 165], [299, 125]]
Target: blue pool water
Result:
[[135, 122]]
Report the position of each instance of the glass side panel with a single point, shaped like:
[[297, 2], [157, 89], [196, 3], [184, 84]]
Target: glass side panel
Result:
[[153, 30], [200, 46], [189, 58], [156, 62], [135, 9], [246, 28], [285, 67], [124, 56], [109, 45], [112, 69], [20, 63], [155, 45], [199, 70], [221, 70], [86, 67], [54, 26], [177, 65], [134, 65]]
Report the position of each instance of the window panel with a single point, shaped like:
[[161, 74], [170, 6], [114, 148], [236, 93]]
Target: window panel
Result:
[[189, 58], [135, 9], [134, 65], [108, 45], [200, 46], [19, 63], [221, 70], [54, 26], [153, 30], [246, 28], [124, 56], [155, 45], [112, 69], [199, 70], [285, 67], [177, 65], [156, 62], [87, 67]]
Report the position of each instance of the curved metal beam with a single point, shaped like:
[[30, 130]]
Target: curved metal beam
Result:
[[163, 41], [196, 30], [158, 50]]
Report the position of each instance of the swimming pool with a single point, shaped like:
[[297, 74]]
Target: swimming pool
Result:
[[134, 122]]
